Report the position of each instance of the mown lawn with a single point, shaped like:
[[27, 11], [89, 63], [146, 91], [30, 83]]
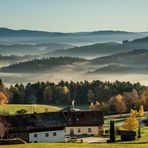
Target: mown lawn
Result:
[[78, 145], [13, 108]]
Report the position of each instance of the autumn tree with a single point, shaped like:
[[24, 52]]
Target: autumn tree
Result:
[[3, 98], [131, 99], [141, 111], [96, 106], [3, 93], [144, 98], [117, 104], [133, 113], [91, 106], [65, 90], [131, 124]]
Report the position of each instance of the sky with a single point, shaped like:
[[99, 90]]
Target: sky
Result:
[[74, 15]]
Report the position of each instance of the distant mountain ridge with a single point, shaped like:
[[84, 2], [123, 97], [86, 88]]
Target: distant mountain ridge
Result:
[[6, 32]]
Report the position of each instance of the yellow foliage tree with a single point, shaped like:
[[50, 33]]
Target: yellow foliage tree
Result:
[[65, 90], [141, 111], [131, 124], [133, 113], [91, 106]]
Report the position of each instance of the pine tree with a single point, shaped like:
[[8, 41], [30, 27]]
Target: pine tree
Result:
[[112, 131]]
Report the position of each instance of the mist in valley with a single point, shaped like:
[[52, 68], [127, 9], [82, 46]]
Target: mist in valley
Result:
[[76, 72], [39, 47]]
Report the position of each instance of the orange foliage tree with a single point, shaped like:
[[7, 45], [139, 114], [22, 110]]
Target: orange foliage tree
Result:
[[3, 98], [3, 93], [65, 90]]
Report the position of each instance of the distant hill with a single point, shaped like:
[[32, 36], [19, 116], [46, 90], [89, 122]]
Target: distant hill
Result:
[[12, 59], [109, 32], [90, 50], [103, 48], [135, 57], [135, 61], [40, 65], [142, 40], [32, 49], [130, 62], [113, 68]]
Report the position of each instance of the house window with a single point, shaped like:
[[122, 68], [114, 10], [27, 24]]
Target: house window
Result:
[[15, 136], [79, 130], [46, 134], [54, 133], [35, 135], [89, 129], [71, 131]]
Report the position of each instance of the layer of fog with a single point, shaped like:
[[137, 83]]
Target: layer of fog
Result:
[[70, 73]]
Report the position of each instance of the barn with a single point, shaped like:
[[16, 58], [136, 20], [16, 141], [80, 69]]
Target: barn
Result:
[[37, 127]]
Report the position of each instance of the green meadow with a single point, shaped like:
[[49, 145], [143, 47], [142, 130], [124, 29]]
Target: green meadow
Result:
[[79, 145], [13, 108]]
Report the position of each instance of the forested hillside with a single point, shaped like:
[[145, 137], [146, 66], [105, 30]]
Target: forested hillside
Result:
[[41, 65], [106, 94]]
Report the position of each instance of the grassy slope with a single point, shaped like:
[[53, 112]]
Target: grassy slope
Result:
[[31, 108], [73, 145]]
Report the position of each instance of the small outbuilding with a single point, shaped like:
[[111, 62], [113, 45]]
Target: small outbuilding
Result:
[[127, 135]]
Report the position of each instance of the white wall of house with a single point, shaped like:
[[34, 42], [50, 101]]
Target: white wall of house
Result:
[[89, 130], [47, 136]]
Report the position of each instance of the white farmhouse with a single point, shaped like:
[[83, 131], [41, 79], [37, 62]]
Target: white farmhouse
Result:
[[84, 123], [37, 127]]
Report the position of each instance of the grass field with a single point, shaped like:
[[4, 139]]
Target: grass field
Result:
[[79, 145], [13, 108]]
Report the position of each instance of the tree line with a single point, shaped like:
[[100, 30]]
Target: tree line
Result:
[[111, 97]]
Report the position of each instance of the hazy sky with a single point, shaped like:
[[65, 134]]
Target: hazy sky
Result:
[[74, 15]]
